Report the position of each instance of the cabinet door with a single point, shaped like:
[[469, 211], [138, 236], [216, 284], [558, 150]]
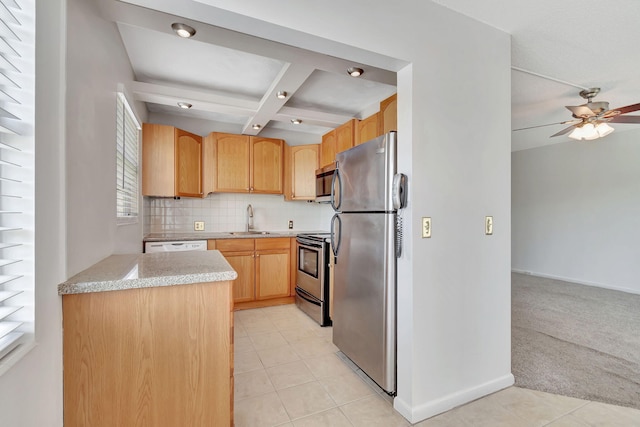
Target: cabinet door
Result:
[[158, 160], [345, 136], [328, 148], [304, 162], [368, 128], [272, 274], [267, 161], [388, 119], [232, 163], [244, 264], [188, 180]]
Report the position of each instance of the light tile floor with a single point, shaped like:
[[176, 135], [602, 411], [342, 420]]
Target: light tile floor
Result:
[[288, 373]]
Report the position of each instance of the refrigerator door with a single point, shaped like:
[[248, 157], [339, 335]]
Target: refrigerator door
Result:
[[364, 302], [365, 176]]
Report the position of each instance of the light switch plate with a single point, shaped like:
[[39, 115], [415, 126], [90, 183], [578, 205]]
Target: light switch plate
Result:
[[426, 227], [198, 225], [488, 225]]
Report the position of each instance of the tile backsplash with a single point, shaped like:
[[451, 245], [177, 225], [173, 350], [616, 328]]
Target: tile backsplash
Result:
[[228, 212]]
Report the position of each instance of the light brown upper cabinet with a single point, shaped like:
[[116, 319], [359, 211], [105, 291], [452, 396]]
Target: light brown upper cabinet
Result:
[[388, 119], [171, 162], [243, 164], [267, 165], [338, 140], [328, 148], [300, 164], [346, 135], [368, 128]]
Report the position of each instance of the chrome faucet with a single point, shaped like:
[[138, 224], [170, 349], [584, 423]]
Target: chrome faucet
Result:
[[249, 217]]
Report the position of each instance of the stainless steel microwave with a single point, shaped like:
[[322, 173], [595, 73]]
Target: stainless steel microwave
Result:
[[324, 176]]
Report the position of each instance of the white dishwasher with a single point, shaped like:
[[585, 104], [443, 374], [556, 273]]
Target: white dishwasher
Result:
[[175, 246]]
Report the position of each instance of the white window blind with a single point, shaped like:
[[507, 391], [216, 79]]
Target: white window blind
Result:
[[127, 138], [17, 53]]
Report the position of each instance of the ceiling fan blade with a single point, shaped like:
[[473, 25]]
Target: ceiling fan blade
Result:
[[563, 131], [625, 119], [541, 126], [580, 111], [628, 109]]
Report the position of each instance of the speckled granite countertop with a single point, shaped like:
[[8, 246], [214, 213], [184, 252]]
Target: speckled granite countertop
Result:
[[130, 271], [204, 235]]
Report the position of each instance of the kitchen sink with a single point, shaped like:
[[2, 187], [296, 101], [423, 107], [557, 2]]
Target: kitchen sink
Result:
[[247, 233]]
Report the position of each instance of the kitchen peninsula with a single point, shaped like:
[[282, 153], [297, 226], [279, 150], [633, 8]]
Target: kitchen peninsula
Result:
[[148, 340]]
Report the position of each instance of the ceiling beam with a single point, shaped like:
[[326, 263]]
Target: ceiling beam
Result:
[[290, 78], [310, 117], [199, 99]]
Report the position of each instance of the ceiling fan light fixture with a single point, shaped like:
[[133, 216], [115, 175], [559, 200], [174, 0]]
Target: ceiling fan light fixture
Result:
[[256, 126], [355, 71], [183, 30], [584, 132], [604, 129], [281, 94], [184, 105]]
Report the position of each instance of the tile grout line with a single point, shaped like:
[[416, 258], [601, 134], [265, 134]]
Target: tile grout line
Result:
[[587, 402]]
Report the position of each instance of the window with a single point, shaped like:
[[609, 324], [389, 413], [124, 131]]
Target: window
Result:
[[127, 138], [17, 87]]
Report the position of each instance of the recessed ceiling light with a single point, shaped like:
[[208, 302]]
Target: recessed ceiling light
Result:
[[281, 94], [183, 30], [184, 105], [355, 71], [256, 126], [296, 121]]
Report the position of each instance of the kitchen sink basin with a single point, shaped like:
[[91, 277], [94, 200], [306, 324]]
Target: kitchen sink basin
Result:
[[248, 233]]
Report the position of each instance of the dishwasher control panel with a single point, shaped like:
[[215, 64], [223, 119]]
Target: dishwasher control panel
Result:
[[175, 246]]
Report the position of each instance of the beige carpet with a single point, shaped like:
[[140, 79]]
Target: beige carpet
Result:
[[576, 340]]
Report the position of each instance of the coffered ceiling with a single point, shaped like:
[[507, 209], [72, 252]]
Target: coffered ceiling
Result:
[[232, 79]]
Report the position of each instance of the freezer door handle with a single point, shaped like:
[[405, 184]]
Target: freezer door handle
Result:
[[335, 244]]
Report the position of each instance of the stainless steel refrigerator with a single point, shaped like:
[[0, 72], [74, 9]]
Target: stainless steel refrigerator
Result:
[[366, 194]]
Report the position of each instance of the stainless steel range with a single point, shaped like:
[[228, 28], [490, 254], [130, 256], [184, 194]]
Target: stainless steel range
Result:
[[312, 276]]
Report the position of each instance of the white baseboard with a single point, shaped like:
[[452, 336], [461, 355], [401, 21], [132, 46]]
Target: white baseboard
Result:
[[434, 407], [578, 281]]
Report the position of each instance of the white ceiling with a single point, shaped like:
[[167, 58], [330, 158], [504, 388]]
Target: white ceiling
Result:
[[558, 48]]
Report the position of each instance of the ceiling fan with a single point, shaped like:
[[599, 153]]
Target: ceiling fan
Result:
[[590, 120]]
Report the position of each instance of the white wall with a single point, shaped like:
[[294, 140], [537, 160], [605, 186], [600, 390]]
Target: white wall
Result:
[[454, 323], [576, 211], [31, 391], [96, 64]]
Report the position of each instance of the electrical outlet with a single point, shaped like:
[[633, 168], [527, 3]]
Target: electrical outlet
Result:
[[198, 225], [488, 225], [290, 225], [426, 227]]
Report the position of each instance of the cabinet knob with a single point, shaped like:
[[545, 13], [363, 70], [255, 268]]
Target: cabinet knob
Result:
[[251, 188]]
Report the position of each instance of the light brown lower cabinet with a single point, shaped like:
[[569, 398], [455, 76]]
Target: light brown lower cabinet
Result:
[[158, 356], [264, 270]]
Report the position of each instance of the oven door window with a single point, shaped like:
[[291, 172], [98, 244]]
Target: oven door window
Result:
[[308, 261]]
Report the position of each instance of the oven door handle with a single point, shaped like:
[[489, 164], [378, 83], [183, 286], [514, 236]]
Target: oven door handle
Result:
[[309, 245]]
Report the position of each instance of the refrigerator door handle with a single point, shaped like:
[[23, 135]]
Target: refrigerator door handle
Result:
[[335, 245], [335, 179]]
